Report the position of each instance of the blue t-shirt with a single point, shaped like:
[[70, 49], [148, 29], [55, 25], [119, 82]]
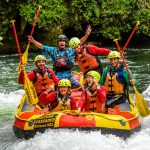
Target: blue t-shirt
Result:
[[54, 52]]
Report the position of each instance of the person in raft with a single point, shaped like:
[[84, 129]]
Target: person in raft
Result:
[[116, 80], [61, 100], [87, 55], [42, 77], [63, 57], [94, 94]]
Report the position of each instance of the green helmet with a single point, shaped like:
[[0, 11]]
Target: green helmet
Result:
[[64, 82], [95, 75], [74, 42], [39, 57], [113, 54]]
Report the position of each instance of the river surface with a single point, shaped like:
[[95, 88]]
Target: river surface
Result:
[[138, 61]]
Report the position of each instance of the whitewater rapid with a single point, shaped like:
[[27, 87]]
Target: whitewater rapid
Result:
[[65, 139]]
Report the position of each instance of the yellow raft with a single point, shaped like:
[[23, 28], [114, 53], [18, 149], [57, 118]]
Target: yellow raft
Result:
[[30, 119]]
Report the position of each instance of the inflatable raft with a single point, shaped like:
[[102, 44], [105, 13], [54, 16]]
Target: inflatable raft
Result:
[[30, 119]]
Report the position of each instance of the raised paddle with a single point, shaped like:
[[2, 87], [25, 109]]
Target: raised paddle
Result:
[[141, 104], [30, 91], [25, 55], [133, 31]]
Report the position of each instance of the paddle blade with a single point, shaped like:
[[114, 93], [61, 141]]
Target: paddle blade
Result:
[[25, 55], [30, 91], [141, 104]]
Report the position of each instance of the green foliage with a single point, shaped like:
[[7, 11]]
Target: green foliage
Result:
[[82, 11], [1, 38], [52, 13], [109, 18]]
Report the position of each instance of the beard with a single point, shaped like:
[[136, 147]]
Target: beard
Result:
[[41, 67]]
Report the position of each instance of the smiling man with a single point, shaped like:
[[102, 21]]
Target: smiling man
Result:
[[62, 57], [116, 80], [42, 77]]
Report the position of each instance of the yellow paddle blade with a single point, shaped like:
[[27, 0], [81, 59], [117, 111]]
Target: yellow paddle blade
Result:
[[30, 91], [141, 104], [81, 79], [24, 59], [25, 55]]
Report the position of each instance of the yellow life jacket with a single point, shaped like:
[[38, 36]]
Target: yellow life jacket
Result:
[[113, 85], [62, 105], [87, 61], [93, 103], [42, 82]]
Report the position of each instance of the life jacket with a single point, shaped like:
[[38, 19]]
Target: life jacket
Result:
[[61, 63], [87, 61], [42, 81], [114, 82], [93, 104], [62, 104]]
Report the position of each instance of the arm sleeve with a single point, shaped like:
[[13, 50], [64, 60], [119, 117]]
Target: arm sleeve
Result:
[[21, 78], [46, 50], [45, 99], [101, 93], [49, 51], [30, 75], [83, 100], [103, 78], [97, 51], [73, 104], [54, 76], [127, 79]]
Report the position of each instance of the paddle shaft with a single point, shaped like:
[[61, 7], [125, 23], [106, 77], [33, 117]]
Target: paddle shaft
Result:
[[34, 24], [122, 56], [16, 39], [133, 31]]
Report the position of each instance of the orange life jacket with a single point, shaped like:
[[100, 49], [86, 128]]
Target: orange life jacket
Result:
[[42, 81], [62, 105], [87, 61], [93, 104], [113, 85]]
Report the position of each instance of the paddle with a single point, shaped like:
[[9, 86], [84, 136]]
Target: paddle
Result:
[[133, 31], [25, 55], [141, 104], [28, 86]]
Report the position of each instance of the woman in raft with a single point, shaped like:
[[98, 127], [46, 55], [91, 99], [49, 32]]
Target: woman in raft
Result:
[[61, 100]]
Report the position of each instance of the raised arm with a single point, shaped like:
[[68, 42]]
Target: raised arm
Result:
[[36, 43], [87, 33]]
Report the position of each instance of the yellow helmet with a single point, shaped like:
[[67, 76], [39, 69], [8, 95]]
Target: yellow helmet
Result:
[[95, 75], [74, 42], [39, 57], [113, 54], [64, 82]]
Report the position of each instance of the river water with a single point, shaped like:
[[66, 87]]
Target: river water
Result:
[[11, 92]]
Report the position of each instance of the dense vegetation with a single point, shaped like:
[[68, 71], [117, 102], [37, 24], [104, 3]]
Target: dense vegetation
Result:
[[109, 18]]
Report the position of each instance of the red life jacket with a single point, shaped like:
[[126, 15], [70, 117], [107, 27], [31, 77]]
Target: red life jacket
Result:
[[93, 103], [87, 61], [42, 81]]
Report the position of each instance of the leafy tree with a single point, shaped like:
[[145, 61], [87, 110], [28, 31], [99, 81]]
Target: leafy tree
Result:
[[109, 18]]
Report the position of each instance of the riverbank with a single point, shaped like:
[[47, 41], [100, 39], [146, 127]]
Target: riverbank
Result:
[[9, 47]]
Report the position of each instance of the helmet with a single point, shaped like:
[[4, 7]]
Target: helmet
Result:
[[74, 42], [95, 75], [63, 38], [113, 54], [39, 57], [64, 82]]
